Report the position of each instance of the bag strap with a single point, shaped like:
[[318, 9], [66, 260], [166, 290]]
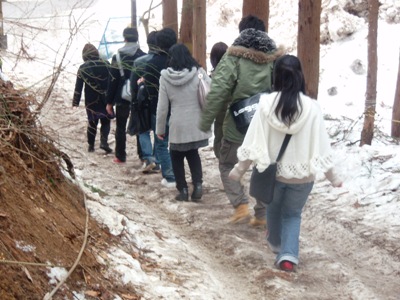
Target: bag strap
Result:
[[121, 70], [283, 147]]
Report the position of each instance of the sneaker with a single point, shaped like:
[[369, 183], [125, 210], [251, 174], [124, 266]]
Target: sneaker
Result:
[[116, 160], [90, 148], [286, 266], [148, 166], [168, 184], [256, 222]]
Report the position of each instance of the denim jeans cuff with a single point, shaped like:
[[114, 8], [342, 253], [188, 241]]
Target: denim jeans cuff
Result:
[[287, 257]]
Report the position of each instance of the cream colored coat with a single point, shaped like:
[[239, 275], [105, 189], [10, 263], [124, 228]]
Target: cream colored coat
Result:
[[308, 151]]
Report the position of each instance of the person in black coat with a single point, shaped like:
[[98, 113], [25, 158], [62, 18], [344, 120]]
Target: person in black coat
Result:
[[165, 39], [140, 112], [127, 54], [93, 74]]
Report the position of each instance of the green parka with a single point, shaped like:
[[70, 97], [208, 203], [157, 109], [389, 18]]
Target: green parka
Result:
[[244, 70]]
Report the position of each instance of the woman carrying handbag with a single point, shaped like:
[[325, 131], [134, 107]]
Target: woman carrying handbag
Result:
[[287, 111]]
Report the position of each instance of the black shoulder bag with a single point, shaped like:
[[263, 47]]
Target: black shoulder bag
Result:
[[243, 111], [262, 185]]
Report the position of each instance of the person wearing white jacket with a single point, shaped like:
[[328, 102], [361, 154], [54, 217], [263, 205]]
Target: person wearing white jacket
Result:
[[178, 105], [287, 111]]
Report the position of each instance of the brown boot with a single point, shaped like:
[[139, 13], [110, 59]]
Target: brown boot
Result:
[[241, 213], [256, 222]]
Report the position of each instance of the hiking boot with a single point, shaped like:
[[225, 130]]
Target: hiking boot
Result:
[[241, 213], [90, 148], [256, 222], [197, 192], [287, 266], [148, 166], [183, 195], [106, 148]]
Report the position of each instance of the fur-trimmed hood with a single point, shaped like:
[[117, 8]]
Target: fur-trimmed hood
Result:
[[255, 45]]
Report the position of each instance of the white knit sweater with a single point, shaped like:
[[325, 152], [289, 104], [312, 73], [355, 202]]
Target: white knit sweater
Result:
[[307, 153]]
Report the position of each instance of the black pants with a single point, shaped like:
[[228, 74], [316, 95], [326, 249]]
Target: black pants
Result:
[[121, 116], [178, 165], [92, 130]]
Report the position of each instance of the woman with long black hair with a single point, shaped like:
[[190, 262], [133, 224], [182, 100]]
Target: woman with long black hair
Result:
[[287, 111], [178, 105]]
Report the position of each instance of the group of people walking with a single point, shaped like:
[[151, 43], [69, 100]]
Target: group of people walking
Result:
[[170, 75]]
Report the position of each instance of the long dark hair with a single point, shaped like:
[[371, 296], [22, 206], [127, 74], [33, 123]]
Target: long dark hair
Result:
[[217, 51], [180, 58], [289, 82]]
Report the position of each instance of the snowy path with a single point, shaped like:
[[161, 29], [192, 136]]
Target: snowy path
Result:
[[200, 256]]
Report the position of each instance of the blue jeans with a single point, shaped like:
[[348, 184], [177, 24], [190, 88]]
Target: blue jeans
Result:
[[162, 153], [284, 219], [147, 147]]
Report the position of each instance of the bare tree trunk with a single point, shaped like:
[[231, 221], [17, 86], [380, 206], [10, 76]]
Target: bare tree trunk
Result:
[[258, 8], [370, 98], [308, 43], [199, 32], [186, 28], [133, 14], [170, 14], [396, 108], [3, 38]]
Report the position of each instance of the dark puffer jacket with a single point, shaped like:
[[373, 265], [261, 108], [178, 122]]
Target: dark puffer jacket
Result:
[[244, 70]]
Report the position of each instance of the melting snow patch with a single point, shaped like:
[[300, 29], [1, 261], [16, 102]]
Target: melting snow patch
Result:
[[56, 274], [128, 268], [24, 247]]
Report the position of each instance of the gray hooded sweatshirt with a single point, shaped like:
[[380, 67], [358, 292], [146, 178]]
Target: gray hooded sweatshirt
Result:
[[179, 89]]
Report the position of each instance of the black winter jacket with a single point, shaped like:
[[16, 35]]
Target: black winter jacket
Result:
[[152, 76], [93, 75]]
